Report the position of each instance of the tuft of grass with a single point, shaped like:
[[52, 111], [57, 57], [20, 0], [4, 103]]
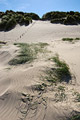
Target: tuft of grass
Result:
[[2, 42], [75, 117], [59, 73], [68, 39], [77, 38], [62, 70], [60, 96], [40, 87], [61, 88], [77, 96], [27, 53]]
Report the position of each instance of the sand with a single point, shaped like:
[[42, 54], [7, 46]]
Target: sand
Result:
[[15, 80]]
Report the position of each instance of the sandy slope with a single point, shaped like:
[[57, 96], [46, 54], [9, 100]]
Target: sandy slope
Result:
[[40, 31], [15, 80]]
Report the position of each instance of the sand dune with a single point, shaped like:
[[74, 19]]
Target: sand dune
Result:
[[15, 80]]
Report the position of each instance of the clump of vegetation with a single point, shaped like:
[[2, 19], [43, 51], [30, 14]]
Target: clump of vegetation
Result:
[[77, 38], [28, 52], [3, 25], [60, 96], [9, 19], [67, 18], [40, 87], [62, 69], [58, 20], [53, 15], [59, 73], [75, 117], [2, 42], [10, 24], [32, 15], [61, 88], [70, 20], [70, 39], [77, 96]]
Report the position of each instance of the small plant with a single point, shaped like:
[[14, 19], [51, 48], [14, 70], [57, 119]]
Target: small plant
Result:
[[61, 88], [75, 117], [78, 97], [68, 39], [40, 87], [2, 42], [77, 38], [60, 96]]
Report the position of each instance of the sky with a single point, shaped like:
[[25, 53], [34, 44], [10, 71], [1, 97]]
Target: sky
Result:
[[40, 7]]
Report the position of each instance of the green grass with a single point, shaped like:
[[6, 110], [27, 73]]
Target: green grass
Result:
[[62, 70], [67, 18], [77, 96], [77, 38], [76, 117], [2, 42], [27, 53], [70, 39], [59, 73], [61, 88]]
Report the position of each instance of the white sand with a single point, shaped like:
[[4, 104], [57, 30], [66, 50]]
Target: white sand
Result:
[[15, 80]]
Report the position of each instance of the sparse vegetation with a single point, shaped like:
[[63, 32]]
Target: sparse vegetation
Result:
[[59, 73], [71, 39], [75, 117], [2, 42], [68, 39], [78, 97], [77, 94], [28, 52], [40, 87], [77, 38], [61, 88], [60, 96]]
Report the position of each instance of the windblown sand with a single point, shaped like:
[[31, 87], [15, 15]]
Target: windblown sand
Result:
[[15, 80]]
